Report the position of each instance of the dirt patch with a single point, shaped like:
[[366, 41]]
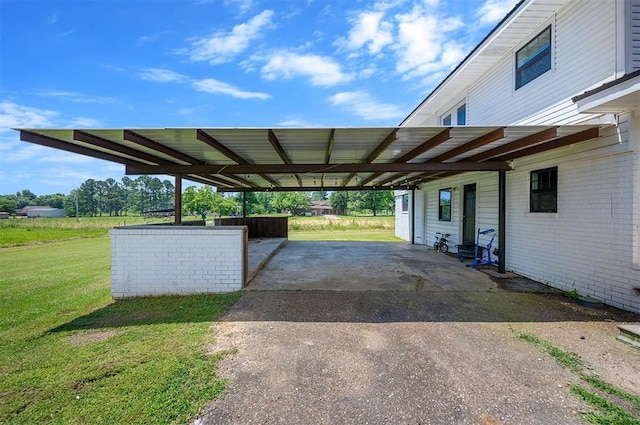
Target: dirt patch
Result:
[[88, 337]]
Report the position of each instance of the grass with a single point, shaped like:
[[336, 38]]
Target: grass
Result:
[[70, 354], [14, 232], [345, 228], [607, 405]]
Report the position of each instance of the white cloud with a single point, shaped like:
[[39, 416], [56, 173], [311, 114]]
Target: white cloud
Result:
[[368, 29], [244, 6], [75, 97], [162, 75], [223, 47], [321, 70], [363, 105], [210, 85], [13, 115], [493, 11], [82, 122], [296, 122], [423, 45]]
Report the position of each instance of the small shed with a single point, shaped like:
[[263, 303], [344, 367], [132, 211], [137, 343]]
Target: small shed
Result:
[[45, 212]]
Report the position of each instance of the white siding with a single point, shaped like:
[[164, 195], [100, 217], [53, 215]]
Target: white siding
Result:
[[402, 221], [591, 244], [633, 48], [486, 206], [583, 58]]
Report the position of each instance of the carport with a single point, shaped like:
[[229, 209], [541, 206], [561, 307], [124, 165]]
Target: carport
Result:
[[309, 159]]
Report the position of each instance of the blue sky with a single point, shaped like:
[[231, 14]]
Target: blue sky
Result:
[[216, 63]]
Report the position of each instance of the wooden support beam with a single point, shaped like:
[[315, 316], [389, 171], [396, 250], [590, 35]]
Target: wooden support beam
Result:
[[39, 139], [469, 146], [273, 139], [571, 139], [391, 137], [141, 140], [94, 140], [434, 141], [533, 139], [230, 170]]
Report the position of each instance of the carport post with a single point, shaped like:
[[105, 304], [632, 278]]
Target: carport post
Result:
[[413, 216], [178, 200], [244, 204], [502, 212]]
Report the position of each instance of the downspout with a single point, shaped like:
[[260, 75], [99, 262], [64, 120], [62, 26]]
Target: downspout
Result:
[[502, 212]]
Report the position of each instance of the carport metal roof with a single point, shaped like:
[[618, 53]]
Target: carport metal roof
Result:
[[259, 159]]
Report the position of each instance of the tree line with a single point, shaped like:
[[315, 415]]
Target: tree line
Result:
[[146, 194], [98, 197]]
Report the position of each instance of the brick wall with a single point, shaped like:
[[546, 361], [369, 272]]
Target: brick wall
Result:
[[161, 260]]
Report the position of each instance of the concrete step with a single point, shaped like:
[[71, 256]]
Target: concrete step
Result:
[[630, 334]]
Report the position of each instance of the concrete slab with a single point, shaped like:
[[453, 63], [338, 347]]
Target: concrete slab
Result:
[[366, 266], [259, 251]]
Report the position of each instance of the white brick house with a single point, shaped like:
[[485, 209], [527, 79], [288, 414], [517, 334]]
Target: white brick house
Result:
[[572, 213]]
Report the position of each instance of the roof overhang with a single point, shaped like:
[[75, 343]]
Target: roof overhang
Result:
[[616, 96], [525, 18], [299, 159]]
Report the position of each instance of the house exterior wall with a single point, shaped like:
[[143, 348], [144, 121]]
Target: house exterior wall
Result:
[[163, 260], [584, 56], [592, 244], [403, 219], [633, 35]]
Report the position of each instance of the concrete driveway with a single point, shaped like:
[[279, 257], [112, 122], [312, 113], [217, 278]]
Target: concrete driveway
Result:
[[366, 266], [397, 352]]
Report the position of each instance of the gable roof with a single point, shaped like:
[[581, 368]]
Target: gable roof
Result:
[[520, 22]]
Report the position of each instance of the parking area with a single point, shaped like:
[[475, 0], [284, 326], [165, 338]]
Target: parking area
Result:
[[378, 333], [366, 266]]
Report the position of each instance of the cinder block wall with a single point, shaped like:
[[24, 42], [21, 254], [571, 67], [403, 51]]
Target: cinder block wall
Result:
[[162, 260]]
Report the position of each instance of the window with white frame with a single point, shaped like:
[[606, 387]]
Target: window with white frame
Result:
[[405, 202], [534, 59], [456, 115]]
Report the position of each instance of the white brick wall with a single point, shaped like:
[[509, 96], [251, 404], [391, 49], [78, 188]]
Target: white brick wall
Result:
[[591, 244], [162, 260]]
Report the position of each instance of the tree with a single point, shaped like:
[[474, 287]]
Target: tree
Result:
[[127, 188], [113, 202], [87, 204], [319, 196], [339, 201], [8, 204], [263, 203], [373, 200], [199, 200], [290, 201], [55, 200]]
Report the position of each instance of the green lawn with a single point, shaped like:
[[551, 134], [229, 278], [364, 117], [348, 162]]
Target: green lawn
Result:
[[344, 228], [33, 230], [70, 354]]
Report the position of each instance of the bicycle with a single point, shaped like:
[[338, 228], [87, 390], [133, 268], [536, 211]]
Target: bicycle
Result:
[[441, 242]]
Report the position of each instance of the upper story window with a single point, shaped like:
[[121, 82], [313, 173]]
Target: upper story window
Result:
[[544, 190], [456, 116], [534, 59]]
